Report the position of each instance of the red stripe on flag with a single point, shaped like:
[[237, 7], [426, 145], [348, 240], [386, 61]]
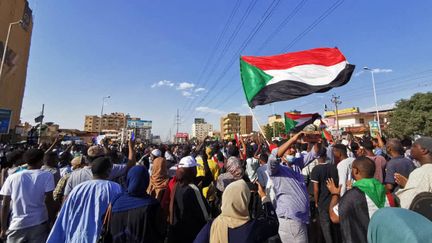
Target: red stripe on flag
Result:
[[295, 116], [319, 56]]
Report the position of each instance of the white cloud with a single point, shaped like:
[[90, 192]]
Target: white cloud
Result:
[[163, 83], [199, 90], [380, 70], [186, 93], [205, 109], [185, 85], [375, 70]]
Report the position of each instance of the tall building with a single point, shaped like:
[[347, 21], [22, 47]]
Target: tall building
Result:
[[13, 76], [114, 121], [201, 129], [229, 125], [199, 120], [275, 118], [233, 123], [246, 124]]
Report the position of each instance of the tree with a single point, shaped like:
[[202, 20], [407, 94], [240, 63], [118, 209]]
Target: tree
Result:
[[268, 132], [412, 117], [276, 129], [279, 128]]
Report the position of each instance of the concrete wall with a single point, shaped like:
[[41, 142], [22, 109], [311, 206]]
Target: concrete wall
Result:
[[13, 78]]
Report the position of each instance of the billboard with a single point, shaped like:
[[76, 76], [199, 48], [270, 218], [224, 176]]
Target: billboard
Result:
[[5, 118], [374, 129], [342, 111], [139, 124], [182, 135]]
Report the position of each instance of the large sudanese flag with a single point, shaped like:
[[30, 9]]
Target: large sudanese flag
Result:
[[268, 79]]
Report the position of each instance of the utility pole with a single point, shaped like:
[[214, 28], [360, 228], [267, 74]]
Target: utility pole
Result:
[[177, 124], [336, 101], [40, 124], [6, 45], [375, 97], [102, 110], [274, 127]]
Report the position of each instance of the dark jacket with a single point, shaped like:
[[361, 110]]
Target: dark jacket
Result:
[[257, 230], [143, 224], [188, 218]]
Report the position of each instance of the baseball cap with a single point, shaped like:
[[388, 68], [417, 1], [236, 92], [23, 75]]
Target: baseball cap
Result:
[[187, 162], [425, 142], [95, 151]]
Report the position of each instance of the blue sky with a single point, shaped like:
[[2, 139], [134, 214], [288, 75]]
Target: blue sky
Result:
[[150, 56]]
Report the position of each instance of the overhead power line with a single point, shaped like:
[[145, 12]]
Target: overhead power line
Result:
[[267, 14], [218, 41]]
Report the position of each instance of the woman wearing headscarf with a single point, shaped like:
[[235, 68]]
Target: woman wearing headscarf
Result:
[[136, 216], [234, 172], [188, 210], [234, 224], [159, 178], [390, 225]]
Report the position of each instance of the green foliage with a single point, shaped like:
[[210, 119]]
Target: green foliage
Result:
[[279, 129], [412, 117], [268, 132]]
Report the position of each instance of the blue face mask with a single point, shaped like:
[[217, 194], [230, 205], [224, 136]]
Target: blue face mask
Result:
[[289, 158]]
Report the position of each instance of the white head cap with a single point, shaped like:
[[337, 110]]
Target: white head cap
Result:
[[187, 162], [156, 152]]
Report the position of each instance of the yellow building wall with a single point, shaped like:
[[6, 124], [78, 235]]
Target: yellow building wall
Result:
[[13, 77]]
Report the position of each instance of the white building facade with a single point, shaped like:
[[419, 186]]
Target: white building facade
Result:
[[201, 130]]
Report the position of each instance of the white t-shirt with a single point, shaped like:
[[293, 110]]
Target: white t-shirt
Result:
[[344, 171], [420, 180], [27, 190]]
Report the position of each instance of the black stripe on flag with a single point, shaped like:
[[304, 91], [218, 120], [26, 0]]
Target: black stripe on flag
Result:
[[288, 89]]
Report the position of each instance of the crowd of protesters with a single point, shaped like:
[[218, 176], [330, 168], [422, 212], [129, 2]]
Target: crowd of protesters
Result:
[[245, 190]]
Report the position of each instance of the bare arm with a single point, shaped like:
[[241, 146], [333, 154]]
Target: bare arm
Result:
[[53, 145], [282, 149], [4, 215], [243, 154], [333, 216], [131, 154], [380, 141], [316, 193], [335, 195], [52, 207]]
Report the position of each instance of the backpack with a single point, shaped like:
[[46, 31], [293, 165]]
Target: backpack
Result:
[[422, 204]]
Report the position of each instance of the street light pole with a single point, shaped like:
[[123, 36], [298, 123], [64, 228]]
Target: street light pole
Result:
[[375, 97], [100, 120], [336, 101], [6, 44]]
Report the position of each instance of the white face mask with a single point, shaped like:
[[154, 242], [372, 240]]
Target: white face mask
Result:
[[289, 158]]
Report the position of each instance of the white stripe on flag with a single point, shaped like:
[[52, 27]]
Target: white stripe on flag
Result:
[[310, 74], [301, 121]]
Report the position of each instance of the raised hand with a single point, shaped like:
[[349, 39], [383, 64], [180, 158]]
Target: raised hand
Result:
[[331, 186], [400, 180]]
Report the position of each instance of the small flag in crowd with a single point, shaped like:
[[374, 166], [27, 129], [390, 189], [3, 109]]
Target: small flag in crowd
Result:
[[39, 119], [268, 79], [295, 122], [325, 133]]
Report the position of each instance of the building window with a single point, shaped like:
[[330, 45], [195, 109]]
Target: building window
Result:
[[361, 120]]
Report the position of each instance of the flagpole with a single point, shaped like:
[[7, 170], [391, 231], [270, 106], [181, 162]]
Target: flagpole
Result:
[[40, 125], [262, 132]]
